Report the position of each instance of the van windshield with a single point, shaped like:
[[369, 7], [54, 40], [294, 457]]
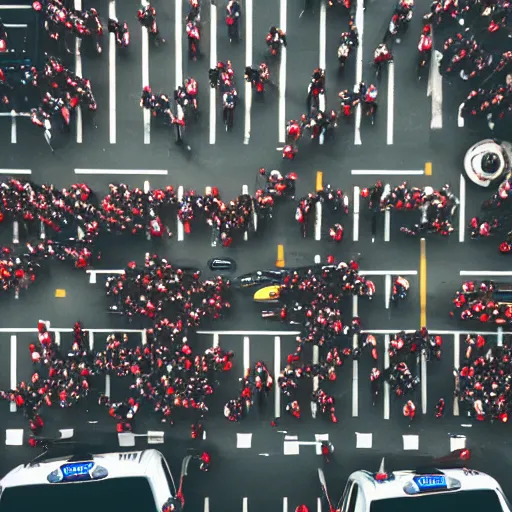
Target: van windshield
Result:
[[109, 495], [467, 501]]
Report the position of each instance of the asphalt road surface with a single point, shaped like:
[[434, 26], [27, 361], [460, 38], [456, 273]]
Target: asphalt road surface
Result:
[[117, 145]]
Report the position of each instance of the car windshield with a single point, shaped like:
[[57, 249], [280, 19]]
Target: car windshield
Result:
[[109, 495], [468, 501]]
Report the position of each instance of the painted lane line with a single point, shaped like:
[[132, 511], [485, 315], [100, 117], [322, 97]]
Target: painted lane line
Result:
[[215, 340], [391, 102], [106, 272], [14, 375], [42, 231], [323, 35], [91, 340], [247, 353], [16, 6], [462, 209], [485, 273], [319, 505], [178, 53], [387, 225], [206, 507], [58, 330], [285, 500], [355, 228], [213, 64], [460, 119], [500, 337], [456, 365], [112, 76], [316, 360], [390, 272], [375, 172], [436, 122], [318, 221], [387, 290], [317, 259], [355, 363], [15, 25], [107, 385], [151, 172], [282, 76], [423, 382], [181, 231], [277, 371], [146, 116], [245, 192], [386, 383], [245, 505], [78, 72], [14, 129], [15, 171], [248, 62], [226, 333], [359, 67]]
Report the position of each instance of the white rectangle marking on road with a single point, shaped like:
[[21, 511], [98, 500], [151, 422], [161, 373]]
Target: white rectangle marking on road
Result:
[[500, 337], [318, 442], [323, 36], [15, 6], [387, 290], [206, 507], [14, 372], [247, 353], [213, 65], [436, 122], [121, 172], [15, 232], [243, 441], [318, 221], [386, 383], [91, 340], [112, 76], [178, 47], [232, 333], [386, 172], [355, 363], [78, 72], [486, 273], [282, 76], [14, 131], [316, 360], [245, 505], [249, 63], [14, 437], [285, 504], [364, 441], [277, 371], [391, 102], [107, 385], [215, 340], [456, 365], [355, 229], [411, 442], [359, 66], [319, 504], [390, 272], [387, 225], [15, 171], [181, 230], [457, 443], [462, 209], [145, 79], [423, 382], [291, 448], [460, 119], [318, 259]]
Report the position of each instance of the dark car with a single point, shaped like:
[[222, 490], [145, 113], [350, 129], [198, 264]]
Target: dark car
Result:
[[222, 264]]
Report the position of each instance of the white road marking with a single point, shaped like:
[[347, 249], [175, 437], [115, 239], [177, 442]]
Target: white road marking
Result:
[[181, 232], [462, 209], [14, 129], [245, 505], [215, 340], [391, 102], [456, 364], [14, 372], [213, 65], [387, 225], [355, 364], [178, 54], [460, 119], [423, 382], [318, 221], [375, 172], [42, 231], [386, 383], [500, 337], [318, 259], [411, 442], [387, 290], [112, 76], [282, 76], [319, 505], [15, 232], [359, 67], [206, 507], [78, 72], [16, 6], [15, 171], [143, 172], [107, 385], [486, 273], [277, 371], [355, 228], [364, 441], [248, 62], [91, 340], [231, 333], [316, 360], [285, 504], [247, 353], [323, 35], [245, 191], [436, 122], [145, 78]]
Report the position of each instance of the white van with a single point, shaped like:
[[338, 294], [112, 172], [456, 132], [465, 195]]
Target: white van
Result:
[[130, 481], [447, 490]]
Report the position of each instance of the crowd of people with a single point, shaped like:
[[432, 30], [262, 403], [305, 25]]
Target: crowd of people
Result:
[[437, 207]]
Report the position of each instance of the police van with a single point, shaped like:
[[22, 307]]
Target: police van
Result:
[[130, 481], [422, 490]]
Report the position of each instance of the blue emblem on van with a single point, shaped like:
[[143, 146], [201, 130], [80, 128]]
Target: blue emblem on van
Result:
[[77, 472], [429, 483]]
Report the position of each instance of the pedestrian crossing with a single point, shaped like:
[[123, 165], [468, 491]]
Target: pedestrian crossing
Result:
[[313, 42]]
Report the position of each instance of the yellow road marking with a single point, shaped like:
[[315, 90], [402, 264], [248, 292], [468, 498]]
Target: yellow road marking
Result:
[[428, 168], [319, 181], [60, 293], [280, 256], [423, 283]]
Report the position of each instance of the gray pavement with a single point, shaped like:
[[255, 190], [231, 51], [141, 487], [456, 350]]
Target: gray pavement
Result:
[[400, 141]]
